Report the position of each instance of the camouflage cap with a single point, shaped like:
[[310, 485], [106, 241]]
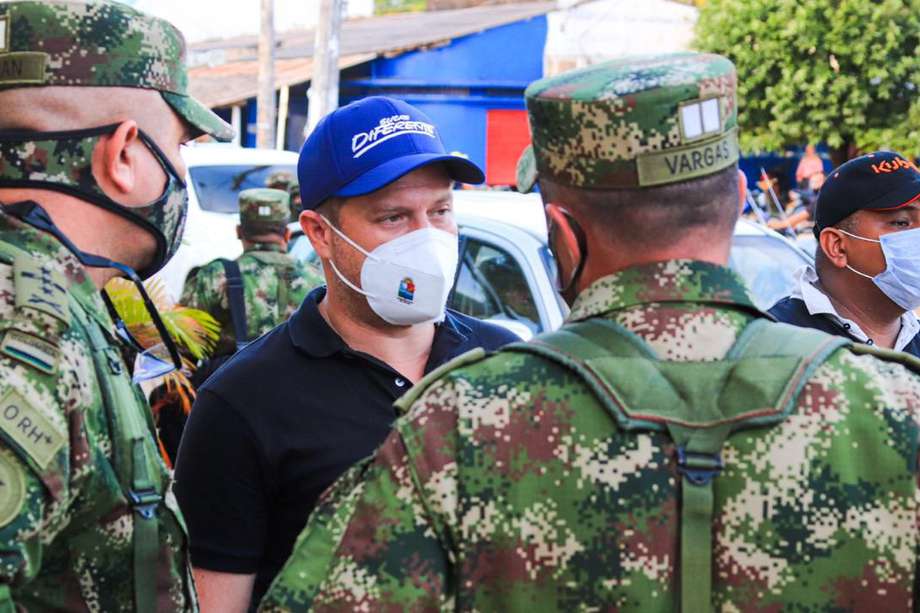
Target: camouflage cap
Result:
[[633, 122], [99, 43], [263, 208], [281, 179]]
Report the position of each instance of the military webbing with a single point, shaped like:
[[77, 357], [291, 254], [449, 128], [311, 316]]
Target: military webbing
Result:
[[237, 302], [130, 433], [699, 404], [6, 600]]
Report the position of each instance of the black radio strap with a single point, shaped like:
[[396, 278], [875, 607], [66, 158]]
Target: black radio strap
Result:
[[237, 302]]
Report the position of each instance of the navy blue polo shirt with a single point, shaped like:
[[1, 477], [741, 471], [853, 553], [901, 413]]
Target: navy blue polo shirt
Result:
[[277, 424]]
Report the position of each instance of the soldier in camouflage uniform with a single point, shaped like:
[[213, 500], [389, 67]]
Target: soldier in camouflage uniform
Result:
[[286, 181], [684, 452], [91, 185], [274, 284]]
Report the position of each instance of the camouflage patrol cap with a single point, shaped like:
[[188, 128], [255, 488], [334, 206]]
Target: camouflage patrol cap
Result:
[[281, 179], [263, 208], [99, 43], [632, 122]]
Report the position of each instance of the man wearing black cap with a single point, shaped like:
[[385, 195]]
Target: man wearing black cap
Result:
[[293, 410], [866, 279]]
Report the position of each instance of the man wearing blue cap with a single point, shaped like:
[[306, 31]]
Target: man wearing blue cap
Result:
[[291, 412]]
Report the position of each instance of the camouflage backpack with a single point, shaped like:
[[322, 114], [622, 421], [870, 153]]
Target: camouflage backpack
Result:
[[700, 405]]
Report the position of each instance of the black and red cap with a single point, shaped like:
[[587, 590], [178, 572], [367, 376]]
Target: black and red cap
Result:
[[880, 181]]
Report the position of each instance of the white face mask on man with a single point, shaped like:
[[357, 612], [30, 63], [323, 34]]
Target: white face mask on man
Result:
[[407, 280], [900, 280]]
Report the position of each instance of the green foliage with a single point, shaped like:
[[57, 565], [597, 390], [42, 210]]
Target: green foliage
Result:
[[844, 72], [194, 331]]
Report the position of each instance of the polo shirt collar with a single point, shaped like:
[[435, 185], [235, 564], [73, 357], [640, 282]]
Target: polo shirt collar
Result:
[[310, 333], [817, 303]]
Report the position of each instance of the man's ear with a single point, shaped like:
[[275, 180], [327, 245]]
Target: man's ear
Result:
[[318, 231], [116, 161], [831, 242], [564, 240], [239, 232]]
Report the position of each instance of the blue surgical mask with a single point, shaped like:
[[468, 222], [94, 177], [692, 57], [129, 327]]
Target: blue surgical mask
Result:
[[900, 280]]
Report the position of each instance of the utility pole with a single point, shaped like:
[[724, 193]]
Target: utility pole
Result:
[[265, 103], [324, 88]]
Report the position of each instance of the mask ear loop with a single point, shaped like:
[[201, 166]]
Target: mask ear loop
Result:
[[862, 238], [357, 247]]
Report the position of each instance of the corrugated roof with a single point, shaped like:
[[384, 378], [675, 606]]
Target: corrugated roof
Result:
[[361, 40]]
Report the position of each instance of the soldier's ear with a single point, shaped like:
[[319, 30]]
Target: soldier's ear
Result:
[[123, 167], [239, 232]]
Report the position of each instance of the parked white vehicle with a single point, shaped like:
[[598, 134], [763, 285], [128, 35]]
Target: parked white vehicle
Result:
[[217, 173]]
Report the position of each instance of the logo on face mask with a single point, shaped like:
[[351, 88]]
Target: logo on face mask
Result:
[[406, 290]]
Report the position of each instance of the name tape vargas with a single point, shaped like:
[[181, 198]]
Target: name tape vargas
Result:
[[684, 163]]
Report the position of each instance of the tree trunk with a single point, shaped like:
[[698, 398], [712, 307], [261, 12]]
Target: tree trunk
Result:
[[265, 102], [847, 151], [324, 88]]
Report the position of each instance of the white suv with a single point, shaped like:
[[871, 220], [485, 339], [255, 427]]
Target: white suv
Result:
[[217, 173]]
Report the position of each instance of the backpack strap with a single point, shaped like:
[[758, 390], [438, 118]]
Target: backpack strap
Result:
[[237, 302], [132, 434], [767, 366]]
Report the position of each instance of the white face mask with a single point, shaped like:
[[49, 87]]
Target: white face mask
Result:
[[408, 279], [900, 280]]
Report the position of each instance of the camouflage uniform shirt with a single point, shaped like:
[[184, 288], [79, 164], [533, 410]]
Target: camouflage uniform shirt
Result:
[[508, 487], [274, 285], [66, 526]]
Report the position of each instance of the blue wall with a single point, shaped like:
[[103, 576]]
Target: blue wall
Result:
[[455, 84]]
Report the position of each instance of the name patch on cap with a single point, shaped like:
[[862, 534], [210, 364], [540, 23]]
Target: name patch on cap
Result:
[[683, 163], [389, 127], [27, 68], [4, 34]]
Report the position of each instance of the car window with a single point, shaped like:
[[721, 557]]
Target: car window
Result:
[[491, 285], [218, 187], [768, 266]]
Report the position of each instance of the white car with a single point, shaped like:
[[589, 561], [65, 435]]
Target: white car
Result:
[[217, 173], [506, 270]]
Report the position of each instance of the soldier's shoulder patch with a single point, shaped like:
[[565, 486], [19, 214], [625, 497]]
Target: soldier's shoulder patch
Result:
[[41, 288], [25, 426], [12, 488], [31, 350]]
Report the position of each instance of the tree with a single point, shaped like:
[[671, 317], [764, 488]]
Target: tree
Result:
[[843, 72]]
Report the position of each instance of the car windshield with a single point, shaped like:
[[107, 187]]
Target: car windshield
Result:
[[218, 187], [768, 265]]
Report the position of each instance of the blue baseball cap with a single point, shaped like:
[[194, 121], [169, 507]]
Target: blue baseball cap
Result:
[[365, 146]]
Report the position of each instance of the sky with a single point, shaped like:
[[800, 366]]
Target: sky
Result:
[[205, 19]]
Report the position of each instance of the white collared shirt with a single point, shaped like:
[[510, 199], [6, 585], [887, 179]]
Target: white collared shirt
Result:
[[818, 303]]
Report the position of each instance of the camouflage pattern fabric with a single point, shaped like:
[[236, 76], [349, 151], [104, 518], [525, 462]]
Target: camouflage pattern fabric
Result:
[[274, 285], [287, 181], [281, 179], [264, 209], [65, 163], [507, 486], [65, 523], [635, 122], [100, 43]]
